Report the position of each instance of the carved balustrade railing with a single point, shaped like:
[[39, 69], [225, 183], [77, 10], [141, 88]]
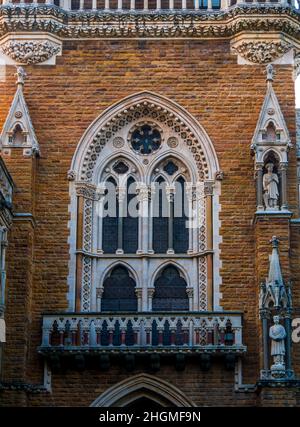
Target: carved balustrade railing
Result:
[[190, 331], [149, 5]]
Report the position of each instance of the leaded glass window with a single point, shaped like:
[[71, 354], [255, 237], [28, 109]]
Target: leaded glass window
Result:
[[180, 221], [130, 222], [119, 291], [110, 221], [160, 219], [170, 291]]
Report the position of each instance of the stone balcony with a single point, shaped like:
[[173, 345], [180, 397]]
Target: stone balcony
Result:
[[87, 335]]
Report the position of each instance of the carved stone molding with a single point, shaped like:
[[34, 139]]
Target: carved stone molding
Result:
[[262, 52], [99, 24], [29, 52]]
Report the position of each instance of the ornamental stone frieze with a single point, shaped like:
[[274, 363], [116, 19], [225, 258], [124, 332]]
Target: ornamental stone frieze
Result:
[[30, 50], [100, 24]]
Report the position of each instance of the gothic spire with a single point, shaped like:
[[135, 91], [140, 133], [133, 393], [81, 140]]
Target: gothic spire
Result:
[[18, 130]]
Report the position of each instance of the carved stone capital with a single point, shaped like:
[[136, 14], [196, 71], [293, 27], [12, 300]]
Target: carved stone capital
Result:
[[208, 188], [143, 192], [88, 191]]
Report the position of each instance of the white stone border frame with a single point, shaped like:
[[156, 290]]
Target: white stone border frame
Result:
[[137, 386], [212, 166]]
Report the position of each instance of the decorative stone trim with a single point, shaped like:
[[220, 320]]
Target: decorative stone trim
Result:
[[262, 52], [29, 49], [100, 24], [29, 52]]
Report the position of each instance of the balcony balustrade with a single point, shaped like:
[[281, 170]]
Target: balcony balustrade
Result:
[[148, 5], [143, 332]]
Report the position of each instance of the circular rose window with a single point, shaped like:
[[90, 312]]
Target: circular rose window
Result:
[[145, 139]]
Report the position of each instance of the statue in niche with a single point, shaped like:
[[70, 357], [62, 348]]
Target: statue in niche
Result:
[[277, 334], [270, 188]]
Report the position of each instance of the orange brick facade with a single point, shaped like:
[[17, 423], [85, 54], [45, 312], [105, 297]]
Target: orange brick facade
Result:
[[203, 77]]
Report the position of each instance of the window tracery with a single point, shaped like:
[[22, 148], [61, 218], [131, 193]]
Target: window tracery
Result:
[[169, 165]]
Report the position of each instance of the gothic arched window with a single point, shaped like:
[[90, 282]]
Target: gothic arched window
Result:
[[180, 219], [110, 219], [170, 291], [119, 291], [160, 217], [130, 221]]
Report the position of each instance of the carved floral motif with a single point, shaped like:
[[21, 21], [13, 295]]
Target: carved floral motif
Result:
[[30, 52], [262, 52]]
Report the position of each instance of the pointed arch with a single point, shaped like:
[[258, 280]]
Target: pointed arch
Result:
[[165, 264], [143, 385], [83, 164], [120, 263]]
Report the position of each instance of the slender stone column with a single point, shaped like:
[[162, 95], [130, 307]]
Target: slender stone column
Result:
[[79, 257], [288, 343], [208, 189], [191, 220], [139, 294], [99, 293], [190, 294], [264, 315], [143, 198], [259, 187], [99, 213], [283, 169], [150, 298]]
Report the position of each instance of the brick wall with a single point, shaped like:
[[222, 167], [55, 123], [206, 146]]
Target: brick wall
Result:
[[204, 78]]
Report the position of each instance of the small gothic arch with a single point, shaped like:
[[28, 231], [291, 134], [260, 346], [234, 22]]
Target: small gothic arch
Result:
[[110, 161], [190, 173], [119, 291], [161, 267], [122, 263], [131, 389], [170, 291]]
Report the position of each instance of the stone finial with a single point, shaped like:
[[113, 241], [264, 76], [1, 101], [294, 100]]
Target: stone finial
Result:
[[270, 72], [21, 76]]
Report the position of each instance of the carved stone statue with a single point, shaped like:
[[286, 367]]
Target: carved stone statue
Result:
[[277, 334], [270, 187]]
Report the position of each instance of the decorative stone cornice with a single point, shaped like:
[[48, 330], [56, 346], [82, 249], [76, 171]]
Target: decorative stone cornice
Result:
[[99, 24], [262, 52], [29, 52]]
